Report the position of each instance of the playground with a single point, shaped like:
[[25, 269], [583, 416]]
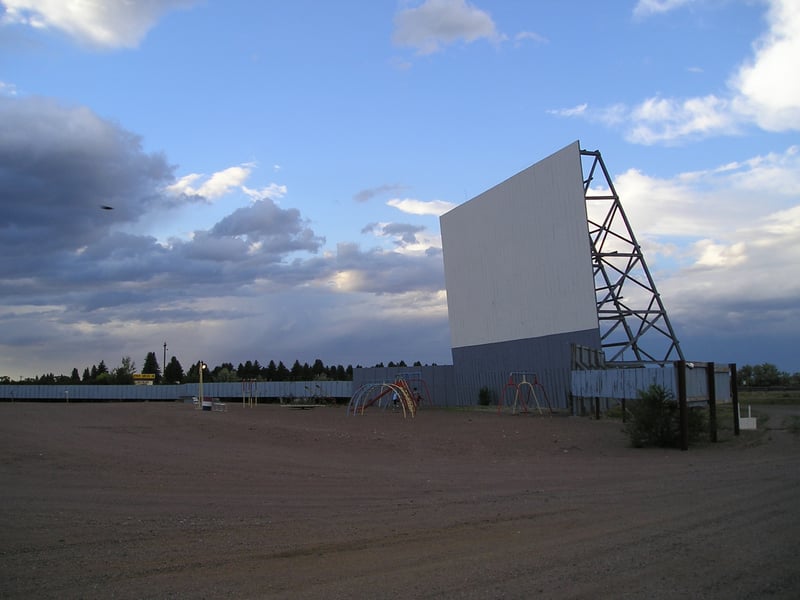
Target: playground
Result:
[[155, 500]]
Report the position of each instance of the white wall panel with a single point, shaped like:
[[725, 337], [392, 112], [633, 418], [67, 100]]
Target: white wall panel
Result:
[[517, 259]]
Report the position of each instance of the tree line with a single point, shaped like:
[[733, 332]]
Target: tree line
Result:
[[174, 372], [765, 375]]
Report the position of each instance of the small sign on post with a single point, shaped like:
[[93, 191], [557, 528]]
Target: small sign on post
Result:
[[144, 378]]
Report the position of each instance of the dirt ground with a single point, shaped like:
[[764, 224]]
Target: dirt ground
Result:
[[158, 500]]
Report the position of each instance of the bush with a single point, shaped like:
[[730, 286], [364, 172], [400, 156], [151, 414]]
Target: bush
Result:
[[485, 396], [655, 420]]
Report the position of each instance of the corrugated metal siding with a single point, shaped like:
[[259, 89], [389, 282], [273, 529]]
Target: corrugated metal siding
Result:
[[627, 383], [621, 383], [262, 389], [438, 380], [549, 357]]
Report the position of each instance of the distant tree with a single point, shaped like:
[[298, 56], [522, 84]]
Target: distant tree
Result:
[[270, 372], [247, 370], [296, 372], [75, 377], [123, 374], [744, 375], [318, 369], [173, 372], [763, 375], [282, 373], [102, 368], [87, 377], [192, 375], [151, 366], [224, 374]]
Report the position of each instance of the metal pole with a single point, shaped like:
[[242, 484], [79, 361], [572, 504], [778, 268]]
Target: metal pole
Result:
[[202, 366], [712, 402]]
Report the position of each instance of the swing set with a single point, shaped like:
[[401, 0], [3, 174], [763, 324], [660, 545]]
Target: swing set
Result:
[[524, 385]]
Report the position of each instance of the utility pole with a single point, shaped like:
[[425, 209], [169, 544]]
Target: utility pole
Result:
[[164, 365]]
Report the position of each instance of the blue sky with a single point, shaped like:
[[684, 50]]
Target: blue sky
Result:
[[277, 169]]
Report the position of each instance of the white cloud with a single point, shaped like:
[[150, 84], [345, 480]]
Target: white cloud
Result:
[[273, 191], [7, 89], [437, 23], [575, 111], [532, 36], [108, 24], [764, 91], [725, 242], [221, 183], [420, 207], [767, 87], [666, 119], [711, 203], [646, 8]]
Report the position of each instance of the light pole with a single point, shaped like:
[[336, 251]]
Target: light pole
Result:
[[164, 365], [200, 400]]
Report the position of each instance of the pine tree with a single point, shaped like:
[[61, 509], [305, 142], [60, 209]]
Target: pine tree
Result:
[[151, 366], [173, 372]]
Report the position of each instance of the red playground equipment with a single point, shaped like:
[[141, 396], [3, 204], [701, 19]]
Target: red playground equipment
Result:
[[401, 393], [524, 390]]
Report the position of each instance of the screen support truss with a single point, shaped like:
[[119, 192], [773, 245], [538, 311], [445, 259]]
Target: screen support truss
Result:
[[634, 326]]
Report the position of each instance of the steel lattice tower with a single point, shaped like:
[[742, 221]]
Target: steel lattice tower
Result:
[[634, 326]]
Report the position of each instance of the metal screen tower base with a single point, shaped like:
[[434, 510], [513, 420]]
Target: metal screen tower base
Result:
[[634, 327]]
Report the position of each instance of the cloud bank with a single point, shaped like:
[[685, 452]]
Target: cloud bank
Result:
[[763, 91], [109, 24], [95, 279]]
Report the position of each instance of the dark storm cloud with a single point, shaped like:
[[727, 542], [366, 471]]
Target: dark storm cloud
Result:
[[58, 165], [77, 276], [61, 164], [404, 232], [275, 230], [407, 233]]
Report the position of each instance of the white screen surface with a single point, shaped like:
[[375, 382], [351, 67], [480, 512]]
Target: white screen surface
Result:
[[517, 259]]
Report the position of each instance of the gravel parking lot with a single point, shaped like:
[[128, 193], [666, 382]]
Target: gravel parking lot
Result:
[[158, 500]]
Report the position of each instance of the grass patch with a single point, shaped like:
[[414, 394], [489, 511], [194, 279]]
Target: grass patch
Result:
[[792, 425], [769, 397]]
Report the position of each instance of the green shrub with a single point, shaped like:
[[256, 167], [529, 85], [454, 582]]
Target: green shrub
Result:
[[485, 396], [654, 419]]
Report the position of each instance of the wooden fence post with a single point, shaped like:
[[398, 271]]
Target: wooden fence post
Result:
[[683, 409], [712, 402], [734, 397]]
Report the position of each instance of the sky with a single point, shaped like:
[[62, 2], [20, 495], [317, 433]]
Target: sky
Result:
[[277, 169]]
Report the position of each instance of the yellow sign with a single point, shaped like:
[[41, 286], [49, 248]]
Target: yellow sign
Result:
[[144, 378]]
